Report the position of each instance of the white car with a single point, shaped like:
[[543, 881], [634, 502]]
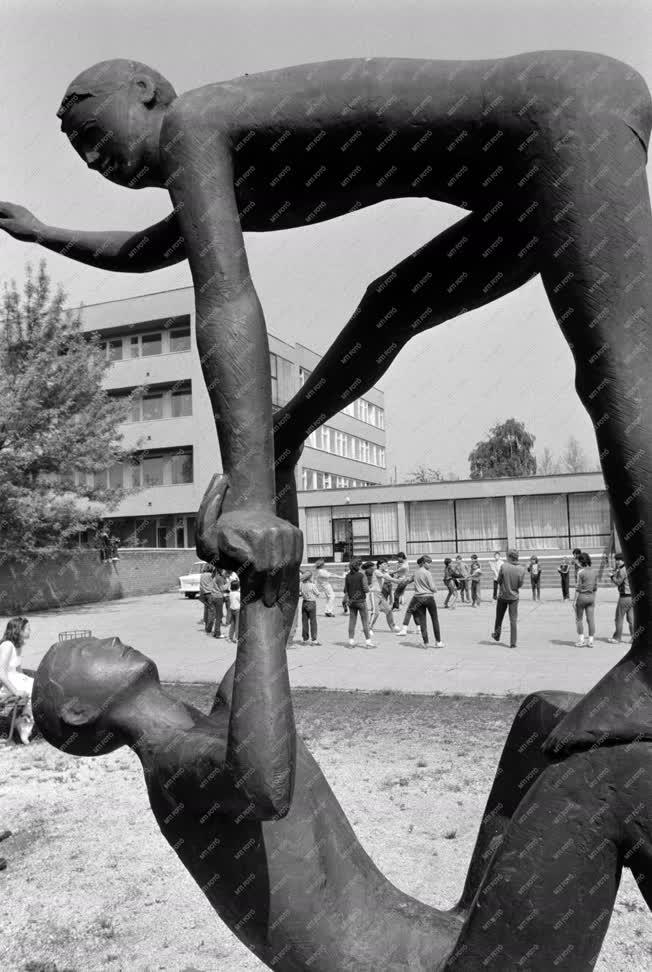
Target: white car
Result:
[[189, 583]]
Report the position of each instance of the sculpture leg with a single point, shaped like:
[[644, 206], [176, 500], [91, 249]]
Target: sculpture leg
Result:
[[597, 239], [459, 270], [547, 896], [521, 763]]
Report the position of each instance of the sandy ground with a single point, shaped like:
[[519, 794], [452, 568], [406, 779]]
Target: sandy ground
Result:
[[91, 884]]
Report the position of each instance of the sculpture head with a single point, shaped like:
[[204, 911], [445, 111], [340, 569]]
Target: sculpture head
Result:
[[79, 689], [112, 114]]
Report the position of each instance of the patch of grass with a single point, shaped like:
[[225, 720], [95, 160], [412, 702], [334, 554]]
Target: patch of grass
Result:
[[450, 834]]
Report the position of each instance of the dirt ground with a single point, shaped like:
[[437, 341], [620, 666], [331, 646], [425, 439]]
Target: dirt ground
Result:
[[92, 885]]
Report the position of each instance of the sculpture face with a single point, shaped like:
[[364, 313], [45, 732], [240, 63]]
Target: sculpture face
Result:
[[112, 134], [80, 684]]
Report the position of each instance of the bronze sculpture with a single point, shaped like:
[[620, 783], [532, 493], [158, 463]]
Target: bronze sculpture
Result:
[[547, 151]]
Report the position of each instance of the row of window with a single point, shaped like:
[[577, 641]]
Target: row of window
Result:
[[173, 530], [361, 409], [173, 402], [146, 345], [344, 444], [316, 479], [150, 469]]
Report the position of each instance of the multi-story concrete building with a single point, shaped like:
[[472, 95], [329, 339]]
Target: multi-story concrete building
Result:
[[150, 342]]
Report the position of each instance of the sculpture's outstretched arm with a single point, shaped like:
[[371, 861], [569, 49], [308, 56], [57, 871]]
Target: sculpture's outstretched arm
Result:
[[238, 526], [154, 248]]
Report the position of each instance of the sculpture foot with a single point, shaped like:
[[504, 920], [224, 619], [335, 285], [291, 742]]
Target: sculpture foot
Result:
[[616, 710]]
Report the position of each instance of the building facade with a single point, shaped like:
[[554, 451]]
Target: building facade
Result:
[[150, 343], [548, 515]]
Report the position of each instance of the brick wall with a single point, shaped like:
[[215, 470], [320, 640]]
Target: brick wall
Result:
[[78, 577]]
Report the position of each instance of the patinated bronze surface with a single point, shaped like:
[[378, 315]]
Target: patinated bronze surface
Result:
[[547, 152]]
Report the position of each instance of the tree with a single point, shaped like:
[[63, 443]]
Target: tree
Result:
[[424, 474], [427, 474], [547, 465], [57, 422], [507, 452], [574, 459]]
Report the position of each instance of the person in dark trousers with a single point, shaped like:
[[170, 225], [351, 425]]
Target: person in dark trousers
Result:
[[564, 572], [356, 589], [423, 602], [206, 585], [624, 605], [402, 575], [450, 584], [309, 593], [534, 570], [510, 581], [476, 577], [587, 585], [216, 603], [496, 564], [462, 578]]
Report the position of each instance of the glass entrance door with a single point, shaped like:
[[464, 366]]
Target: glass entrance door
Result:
[[361, 536], [352, 536]]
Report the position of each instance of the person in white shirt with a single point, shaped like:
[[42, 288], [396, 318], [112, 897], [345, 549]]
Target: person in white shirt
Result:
[[325, 588], [234, 609], [495, 565], [382, 581], [13, 681]]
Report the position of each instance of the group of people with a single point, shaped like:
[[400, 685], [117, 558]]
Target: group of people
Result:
[[219, 592], [377, 587]]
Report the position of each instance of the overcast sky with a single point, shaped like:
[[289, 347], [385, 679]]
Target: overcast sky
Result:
[[447, 387]]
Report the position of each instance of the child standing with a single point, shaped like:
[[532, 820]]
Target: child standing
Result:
[[356, 589], [496, 564], [234, 610], [381, 593], [309, 593], [462, 575], [587, 585], [564, 571], [325, 587], [449, 584], [624, 605], [534, 570], [476, 574]]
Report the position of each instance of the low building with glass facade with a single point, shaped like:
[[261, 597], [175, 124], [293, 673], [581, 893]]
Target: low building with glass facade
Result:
[[150, 343], [543, 515]]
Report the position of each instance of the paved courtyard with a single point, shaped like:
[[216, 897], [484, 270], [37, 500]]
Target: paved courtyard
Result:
[[164, 626]]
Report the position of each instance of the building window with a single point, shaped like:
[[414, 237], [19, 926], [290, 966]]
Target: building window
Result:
[[151, 344], [134, 347], [152, 407], [363, 410], [364, 451], [325, 438], [349, 409], [180, 340], [181, 402], [273, 369], [182, 467], [340, 443], [153, 467], [304, 374], [115, 349]]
